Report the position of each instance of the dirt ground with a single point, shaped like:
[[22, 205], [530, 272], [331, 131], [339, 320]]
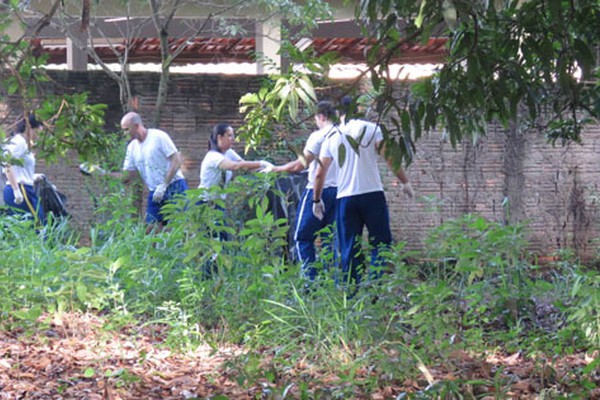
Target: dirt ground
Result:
[[76, 358]]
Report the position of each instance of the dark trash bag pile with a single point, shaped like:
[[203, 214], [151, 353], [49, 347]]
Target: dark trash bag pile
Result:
[[289, 190], [52, 201]]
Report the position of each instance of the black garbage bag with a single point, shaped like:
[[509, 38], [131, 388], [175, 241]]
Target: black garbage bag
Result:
[[289, 189], [291, 186], [52, 201]]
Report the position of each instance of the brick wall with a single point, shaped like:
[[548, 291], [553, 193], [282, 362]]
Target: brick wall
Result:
[[507, 176]]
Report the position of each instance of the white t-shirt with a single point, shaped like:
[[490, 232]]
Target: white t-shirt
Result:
[[358, 173], [210, 173], [17, 148], [313, 146], [150, 158]]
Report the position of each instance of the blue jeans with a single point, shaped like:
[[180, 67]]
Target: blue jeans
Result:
[[153, 210], [353, 214], [30, 205], [309, 227]]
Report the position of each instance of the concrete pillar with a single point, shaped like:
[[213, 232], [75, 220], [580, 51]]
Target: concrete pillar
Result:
[[268, 42], [76, 54]]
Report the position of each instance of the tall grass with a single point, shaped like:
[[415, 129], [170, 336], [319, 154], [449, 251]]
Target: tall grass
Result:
[[477, 290]]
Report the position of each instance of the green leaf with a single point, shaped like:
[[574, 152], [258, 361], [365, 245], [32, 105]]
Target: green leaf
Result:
[[279, 111], [82, 292], [293, 106], [354, 144], [284, 91], [89, 372], [341, 155], [307, 87], [406, 122], [375, 80], [13, 87], [421, 15], [306, 99], [249, 98]]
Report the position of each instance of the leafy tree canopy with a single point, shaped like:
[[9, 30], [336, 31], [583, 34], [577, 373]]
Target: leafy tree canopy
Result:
[[69, 122], [532, 63], [529, 62]]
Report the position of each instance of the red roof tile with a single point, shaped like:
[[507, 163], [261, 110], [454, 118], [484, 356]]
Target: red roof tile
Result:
[[216, 50]]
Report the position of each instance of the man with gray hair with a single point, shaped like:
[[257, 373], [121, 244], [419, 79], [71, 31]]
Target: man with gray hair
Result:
[[153, 154]]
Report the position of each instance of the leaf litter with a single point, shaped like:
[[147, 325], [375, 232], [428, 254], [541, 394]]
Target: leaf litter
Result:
[[76, 358]]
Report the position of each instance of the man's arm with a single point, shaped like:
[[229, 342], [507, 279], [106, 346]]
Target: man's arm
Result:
[[299, 164], [399, 171], [175, 161], [318, 208], [231, 165], [320, 173], [10, 175], [400, 174], [125, 176]]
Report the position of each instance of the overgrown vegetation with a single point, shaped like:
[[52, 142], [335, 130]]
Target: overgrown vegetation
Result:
[[472, 295], [475, 291]]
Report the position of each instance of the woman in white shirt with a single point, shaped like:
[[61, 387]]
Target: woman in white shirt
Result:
[[221, 160], [217, 169], [19, 193]]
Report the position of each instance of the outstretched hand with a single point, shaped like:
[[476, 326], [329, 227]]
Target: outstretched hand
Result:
[[265, 167]]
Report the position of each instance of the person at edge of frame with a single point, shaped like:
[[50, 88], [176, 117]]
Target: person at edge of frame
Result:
[[19, 193]]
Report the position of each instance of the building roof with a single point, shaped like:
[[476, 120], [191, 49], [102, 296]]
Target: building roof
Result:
[[212, 50]]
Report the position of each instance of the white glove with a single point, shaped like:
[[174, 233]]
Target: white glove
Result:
[[18, 196], [89, 169], [318, 209], [38, 177], [159, 193], [266, 166], [408, 190]]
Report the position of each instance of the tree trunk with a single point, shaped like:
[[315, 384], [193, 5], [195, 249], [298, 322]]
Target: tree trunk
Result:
[[161, 96], [85, 16]]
